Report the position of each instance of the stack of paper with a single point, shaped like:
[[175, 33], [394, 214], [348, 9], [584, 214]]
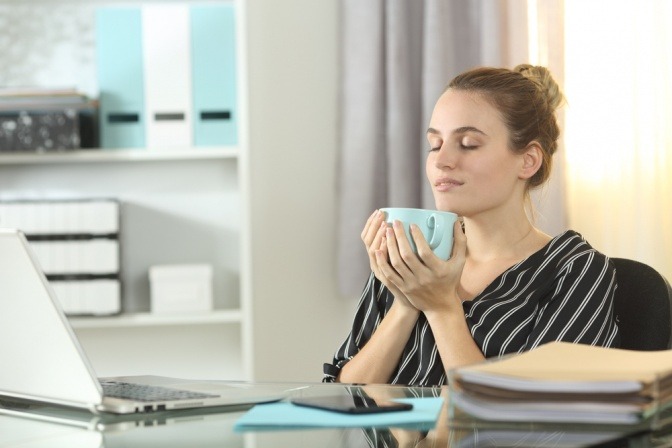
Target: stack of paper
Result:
[[564, 382]]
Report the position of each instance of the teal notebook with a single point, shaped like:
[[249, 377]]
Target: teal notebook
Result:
[[287, 415]]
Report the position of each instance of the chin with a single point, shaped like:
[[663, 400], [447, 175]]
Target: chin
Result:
[[448, 208]]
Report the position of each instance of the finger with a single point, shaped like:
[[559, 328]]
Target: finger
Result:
[[405, 249], [373, 235], [374, 229], [382, 246], [387, 270], [425, 253], [394, 252], [370, 224], [383, 243], [459, 242], [376, 244], [378, 237]]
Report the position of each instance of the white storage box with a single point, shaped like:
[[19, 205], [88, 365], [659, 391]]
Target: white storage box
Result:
[[181, 288]]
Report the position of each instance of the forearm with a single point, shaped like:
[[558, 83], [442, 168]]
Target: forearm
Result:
[[377, 360], [453, 339]]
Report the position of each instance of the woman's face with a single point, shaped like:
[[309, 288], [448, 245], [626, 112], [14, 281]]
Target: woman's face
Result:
[[470, 166]]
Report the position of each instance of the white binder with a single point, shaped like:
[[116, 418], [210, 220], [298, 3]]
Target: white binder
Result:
[[77, 244], [61, 217], [97, 296], [167, 73], [89, 256]]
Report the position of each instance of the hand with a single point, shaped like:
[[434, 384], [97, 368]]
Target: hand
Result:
[[429, 283], [375, 240]]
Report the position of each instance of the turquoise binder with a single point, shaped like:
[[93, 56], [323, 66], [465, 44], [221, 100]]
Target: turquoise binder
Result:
[[213, 53], [120, 77]]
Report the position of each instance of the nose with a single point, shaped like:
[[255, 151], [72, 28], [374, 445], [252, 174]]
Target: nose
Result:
[[445, 158]]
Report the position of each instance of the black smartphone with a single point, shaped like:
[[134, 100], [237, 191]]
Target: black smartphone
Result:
[[349, 404]]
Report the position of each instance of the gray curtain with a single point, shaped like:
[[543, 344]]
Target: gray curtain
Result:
[[397, 56]]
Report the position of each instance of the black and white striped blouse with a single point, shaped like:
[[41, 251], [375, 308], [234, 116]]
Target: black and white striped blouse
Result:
[[563, 292]]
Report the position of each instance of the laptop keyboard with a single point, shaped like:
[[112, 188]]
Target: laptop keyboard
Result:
[[142, 392]]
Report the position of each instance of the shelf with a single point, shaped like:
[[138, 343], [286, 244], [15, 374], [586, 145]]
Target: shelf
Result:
[[181, 204], [121, 155], [153, 320]]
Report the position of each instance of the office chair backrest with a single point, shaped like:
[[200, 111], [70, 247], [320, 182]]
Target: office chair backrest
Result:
[[642, 306]]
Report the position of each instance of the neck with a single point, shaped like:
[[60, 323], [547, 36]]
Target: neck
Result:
[[512, 237]]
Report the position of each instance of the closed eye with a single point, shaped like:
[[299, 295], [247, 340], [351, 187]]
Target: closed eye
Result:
[[469, 142]]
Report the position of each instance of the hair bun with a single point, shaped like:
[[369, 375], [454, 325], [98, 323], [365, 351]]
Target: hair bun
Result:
[[543, 78]]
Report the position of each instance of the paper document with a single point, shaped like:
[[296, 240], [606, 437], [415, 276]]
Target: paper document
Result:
[[547, 412], [566, 382], [565, 367], [277, 415]]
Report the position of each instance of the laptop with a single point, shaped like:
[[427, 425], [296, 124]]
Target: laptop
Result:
[[43, 362]]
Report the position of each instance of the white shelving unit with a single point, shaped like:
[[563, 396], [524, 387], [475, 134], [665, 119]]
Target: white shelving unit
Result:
[[185, 205], [122, 155], [153, 320]]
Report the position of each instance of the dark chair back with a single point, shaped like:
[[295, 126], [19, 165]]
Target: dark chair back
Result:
[[642, 306]]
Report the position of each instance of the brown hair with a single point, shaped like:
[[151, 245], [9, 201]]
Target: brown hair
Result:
[[527, 98]]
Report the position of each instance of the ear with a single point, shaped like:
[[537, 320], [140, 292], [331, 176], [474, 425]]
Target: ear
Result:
[[532, 158]]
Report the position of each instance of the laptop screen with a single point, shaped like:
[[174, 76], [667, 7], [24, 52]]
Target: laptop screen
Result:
[[41, 358]]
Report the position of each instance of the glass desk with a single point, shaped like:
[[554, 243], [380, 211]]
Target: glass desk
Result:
[[215, 428]]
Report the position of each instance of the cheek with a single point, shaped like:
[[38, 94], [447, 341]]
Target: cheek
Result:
[[495, 167], [429, 164]]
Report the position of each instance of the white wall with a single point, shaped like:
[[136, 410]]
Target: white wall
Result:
[[299, 317]]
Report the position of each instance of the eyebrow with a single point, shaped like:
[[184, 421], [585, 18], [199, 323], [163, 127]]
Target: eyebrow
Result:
[[460, 130]]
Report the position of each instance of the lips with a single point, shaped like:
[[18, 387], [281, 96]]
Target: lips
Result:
[[447, 184]]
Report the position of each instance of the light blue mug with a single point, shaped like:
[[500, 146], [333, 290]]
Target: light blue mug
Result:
[[436, 226]]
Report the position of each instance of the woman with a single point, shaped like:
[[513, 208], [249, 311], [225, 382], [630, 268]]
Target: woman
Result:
[[508, 287]]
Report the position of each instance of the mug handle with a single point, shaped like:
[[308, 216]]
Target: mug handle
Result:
[[435, 225]]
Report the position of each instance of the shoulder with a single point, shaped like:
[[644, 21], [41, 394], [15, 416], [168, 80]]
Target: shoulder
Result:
[[570, 245], [567, 241], [570, 250]]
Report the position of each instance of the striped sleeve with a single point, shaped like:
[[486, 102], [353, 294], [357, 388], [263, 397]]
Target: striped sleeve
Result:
[[580, 307], [374, 303]]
